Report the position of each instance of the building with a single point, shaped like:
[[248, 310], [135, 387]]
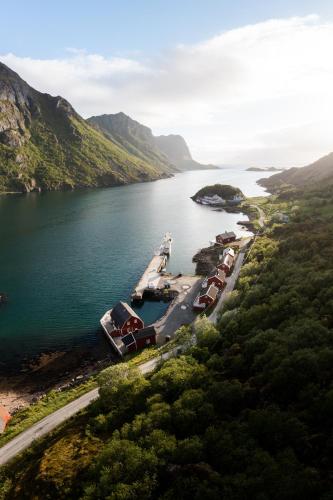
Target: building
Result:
[[226, 264], [124, 320], [206, 298], [229, 251], [226, 237], [139, 339], [4, 419], [217, 278]]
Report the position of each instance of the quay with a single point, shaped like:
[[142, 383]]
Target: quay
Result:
[[151, 280]]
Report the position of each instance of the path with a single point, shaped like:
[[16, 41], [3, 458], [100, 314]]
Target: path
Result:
[[49, 423]]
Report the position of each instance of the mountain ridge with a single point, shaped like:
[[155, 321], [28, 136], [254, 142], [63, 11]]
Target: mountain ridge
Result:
[[46, 145], [171, 149], [319, 171]]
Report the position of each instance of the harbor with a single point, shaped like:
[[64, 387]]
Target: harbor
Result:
[[153, 282]]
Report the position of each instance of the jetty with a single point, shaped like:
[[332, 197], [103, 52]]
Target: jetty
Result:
[[151, 280]]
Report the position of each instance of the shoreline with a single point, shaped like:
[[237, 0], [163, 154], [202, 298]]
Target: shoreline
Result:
[[55, 370]]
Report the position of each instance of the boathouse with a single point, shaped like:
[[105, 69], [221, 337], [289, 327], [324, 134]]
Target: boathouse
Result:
[[140, 339], [226, 237], [206, 298], [217, 278], [125, 320], [4, 419], [226, 264]]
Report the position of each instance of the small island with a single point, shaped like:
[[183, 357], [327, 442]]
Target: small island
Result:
[[219, 195], [267, 169]]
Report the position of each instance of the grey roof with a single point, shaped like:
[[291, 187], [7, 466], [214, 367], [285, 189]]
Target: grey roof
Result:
[[226, 234], [145, 332], [121, 313], [211, 291], [217, 272]]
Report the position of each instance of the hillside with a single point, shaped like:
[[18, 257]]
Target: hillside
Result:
[[319, 171], [135, 138], [177, 151], [169, 151], [45, 145], [245, 414]]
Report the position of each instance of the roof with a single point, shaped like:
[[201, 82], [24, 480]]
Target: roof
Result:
[[211, 291], [121, 313], [217, 272], [228, 260], [229, 251], [226, 235], [128, 339], [145, 332]]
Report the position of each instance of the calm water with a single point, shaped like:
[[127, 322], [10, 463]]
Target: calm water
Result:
[[67, 257]]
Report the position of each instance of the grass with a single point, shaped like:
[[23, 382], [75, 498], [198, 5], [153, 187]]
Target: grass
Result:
[[53, 400]]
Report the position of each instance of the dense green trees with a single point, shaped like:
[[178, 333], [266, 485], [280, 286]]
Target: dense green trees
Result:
[[245, 414]]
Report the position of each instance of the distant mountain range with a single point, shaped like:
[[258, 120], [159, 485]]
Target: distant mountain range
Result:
[[46, 145], [321, 171]]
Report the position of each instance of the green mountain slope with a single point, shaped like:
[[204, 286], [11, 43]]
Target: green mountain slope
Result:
[[45, 144], [176, 149], [169, 151], [319, 171], [135, 138]]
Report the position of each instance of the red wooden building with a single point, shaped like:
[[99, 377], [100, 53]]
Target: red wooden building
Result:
[[4, 419], [124, 320], [140, 339], [226, 237], [226, 264], [206, 298], [217, 278]]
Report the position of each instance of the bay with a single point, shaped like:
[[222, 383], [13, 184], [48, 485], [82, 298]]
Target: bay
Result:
[[66, 257]]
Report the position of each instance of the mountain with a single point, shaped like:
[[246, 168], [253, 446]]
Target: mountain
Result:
[[46, 145], [135, 138], [176, 149], [170, 152], [317, 172]]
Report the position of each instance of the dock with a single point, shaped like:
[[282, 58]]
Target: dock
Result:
[[108, 329], [151, 280]]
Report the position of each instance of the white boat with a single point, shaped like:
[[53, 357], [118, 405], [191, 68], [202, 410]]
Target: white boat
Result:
[[165, 248]]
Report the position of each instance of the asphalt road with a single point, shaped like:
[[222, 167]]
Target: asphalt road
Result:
[[49, 423], [229, 288], [261, 220]]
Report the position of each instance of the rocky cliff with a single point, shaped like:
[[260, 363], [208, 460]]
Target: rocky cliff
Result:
[[45, 144]]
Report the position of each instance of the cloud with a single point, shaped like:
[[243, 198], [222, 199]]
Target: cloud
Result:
[[260, 93]]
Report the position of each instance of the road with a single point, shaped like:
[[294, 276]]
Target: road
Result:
[[261, 220], [229, 287], [49, 423]]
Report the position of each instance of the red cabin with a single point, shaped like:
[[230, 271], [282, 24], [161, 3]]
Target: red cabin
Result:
[[206, 298], [226, 264], [216, 278], [140, 339], [124, 320], [226, 237]]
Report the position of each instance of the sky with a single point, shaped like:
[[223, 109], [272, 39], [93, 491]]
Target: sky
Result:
[[245, 82]]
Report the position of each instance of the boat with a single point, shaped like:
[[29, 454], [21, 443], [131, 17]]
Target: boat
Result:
[[165, 248]]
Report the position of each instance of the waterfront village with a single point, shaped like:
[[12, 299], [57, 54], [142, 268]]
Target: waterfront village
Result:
[[126, 331]]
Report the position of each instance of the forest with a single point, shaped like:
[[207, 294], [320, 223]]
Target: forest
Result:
[[245, 414]]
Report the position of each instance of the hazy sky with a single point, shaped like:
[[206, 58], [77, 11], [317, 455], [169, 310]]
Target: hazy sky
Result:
[[244, 81]]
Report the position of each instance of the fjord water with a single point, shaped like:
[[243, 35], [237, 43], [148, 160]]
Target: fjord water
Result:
[[66, 257]]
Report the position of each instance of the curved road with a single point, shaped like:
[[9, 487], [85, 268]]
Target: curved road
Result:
[[47, 424]]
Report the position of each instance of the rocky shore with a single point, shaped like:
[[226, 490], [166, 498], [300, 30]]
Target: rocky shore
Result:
[[53, 370]]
